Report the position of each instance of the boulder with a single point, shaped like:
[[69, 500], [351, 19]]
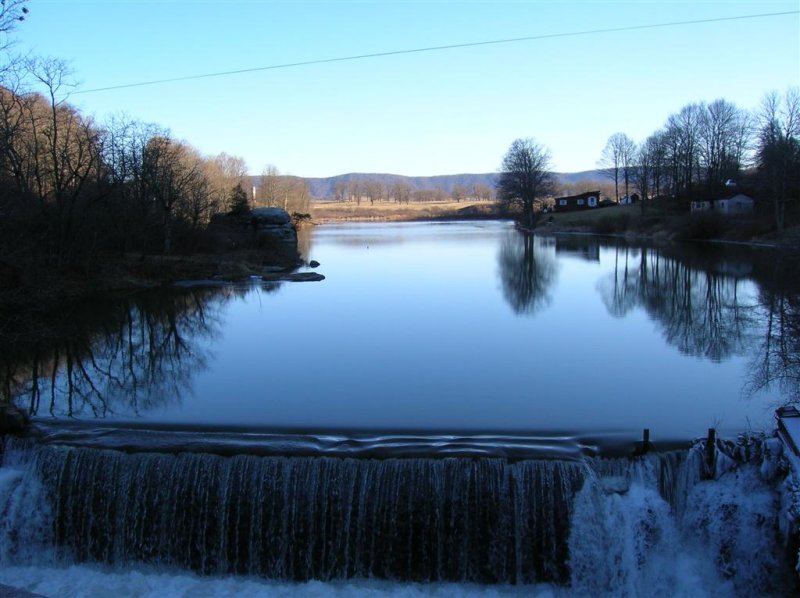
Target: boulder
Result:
[[293, 277], [13, 420], [270, 217]]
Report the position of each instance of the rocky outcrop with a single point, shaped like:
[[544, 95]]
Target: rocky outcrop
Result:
[[273, 224], [13, 420], [268, 231], [293, 277], [270, 217]]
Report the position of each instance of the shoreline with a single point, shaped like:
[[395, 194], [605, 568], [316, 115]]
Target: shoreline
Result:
[[50, 288], [790, 241], [757, 244]]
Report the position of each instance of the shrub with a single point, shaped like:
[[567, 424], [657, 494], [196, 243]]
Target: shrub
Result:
[[703, 225]]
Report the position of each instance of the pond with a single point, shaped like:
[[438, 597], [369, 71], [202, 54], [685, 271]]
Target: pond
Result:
[[464, 328]]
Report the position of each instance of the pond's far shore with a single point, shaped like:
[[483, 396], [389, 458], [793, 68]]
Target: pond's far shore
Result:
[[659, 223]]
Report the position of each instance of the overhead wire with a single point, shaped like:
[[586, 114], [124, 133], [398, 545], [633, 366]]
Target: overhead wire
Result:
[[511, 40]]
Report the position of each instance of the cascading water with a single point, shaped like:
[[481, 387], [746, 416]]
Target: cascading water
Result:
[[612, 527], [476, 520]]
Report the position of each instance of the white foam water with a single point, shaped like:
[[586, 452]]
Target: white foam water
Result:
[[83, 581]]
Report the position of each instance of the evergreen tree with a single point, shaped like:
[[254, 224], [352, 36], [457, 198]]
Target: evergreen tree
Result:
[[238, 201]]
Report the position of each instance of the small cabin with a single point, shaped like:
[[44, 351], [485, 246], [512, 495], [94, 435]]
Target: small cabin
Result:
[[702, 206], [584, 201], [627, 200], [737, 205], [734, 205]]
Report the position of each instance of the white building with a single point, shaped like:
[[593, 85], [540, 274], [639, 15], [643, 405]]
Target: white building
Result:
[[735, 205], [738, 204]]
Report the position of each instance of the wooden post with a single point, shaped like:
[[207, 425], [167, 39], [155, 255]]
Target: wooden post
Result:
[[711, 453]]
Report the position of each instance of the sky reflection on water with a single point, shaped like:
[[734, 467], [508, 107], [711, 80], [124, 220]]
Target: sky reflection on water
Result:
[[466, 327]]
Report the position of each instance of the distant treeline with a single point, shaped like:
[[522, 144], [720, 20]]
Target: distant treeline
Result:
[[451, 187], [392, 187]]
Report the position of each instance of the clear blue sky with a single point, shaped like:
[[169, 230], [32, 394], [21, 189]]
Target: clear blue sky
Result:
[[444, 112]]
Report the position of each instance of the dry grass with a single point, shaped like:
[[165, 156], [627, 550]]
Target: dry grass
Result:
[[587, 217], [329, 211]]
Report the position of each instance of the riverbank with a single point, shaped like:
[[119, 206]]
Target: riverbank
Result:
[[657, 223], [664, 225], [42, 288], [231, 249]]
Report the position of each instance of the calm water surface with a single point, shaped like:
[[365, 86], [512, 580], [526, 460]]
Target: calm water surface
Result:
[[440, 328]]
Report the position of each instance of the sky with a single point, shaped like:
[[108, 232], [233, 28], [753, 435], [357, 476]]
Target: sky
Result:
[[418, 114]]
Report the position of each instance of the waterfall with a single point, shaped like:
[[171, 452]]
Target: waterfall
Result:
[[456, 519], [606, 527]]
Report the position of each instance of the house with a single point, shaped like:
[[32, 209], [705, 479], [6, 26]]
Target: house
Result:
[[702, 206], [737, 205], [584, 201], [734, 205], [627, 200]]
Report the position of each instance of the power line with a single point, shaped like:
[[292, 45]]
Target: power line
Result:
[[438, 48]]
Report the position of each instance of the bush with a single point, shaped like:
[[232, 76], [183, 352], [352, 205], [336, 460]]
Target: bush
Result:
[[700, 226]]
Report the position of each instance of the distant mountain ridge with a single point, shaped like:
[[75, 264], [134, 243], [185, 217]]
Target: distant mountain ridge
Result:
[[323, 187]]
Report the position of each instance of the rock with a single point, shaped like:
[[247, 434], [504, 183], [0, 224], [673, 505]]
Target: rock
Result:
[[293, 277], [313, 264], [285, 233], [13, 420], [614, 485], [270, 216]]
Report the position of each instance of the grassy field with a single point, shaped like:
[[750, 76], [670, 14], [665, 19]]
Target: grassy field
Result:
[[331, 211]]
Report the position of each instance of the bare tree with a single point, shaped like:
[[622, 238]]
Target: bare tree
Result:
[[525, 176], [130, 206], [482, 192], [297, 196], [683, 146], [779, 151], [724, 135], [354, 191], [270, 192], [12, 13], [617, 160], [175, 181], [401, 191], [340, 191], [374, 190], [67, 156], [649, 170]]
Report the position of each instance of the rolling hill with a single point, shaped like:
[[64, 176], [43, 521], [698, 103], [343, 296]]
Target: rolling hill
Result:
[[323, 188]]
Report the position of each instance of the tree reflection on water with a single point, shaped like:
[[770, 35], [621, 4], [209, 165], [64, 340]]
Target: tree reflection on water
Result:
[[714, 303], [709, 302], [700, 310], [115, 356], [528, 271], [776, 354]]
